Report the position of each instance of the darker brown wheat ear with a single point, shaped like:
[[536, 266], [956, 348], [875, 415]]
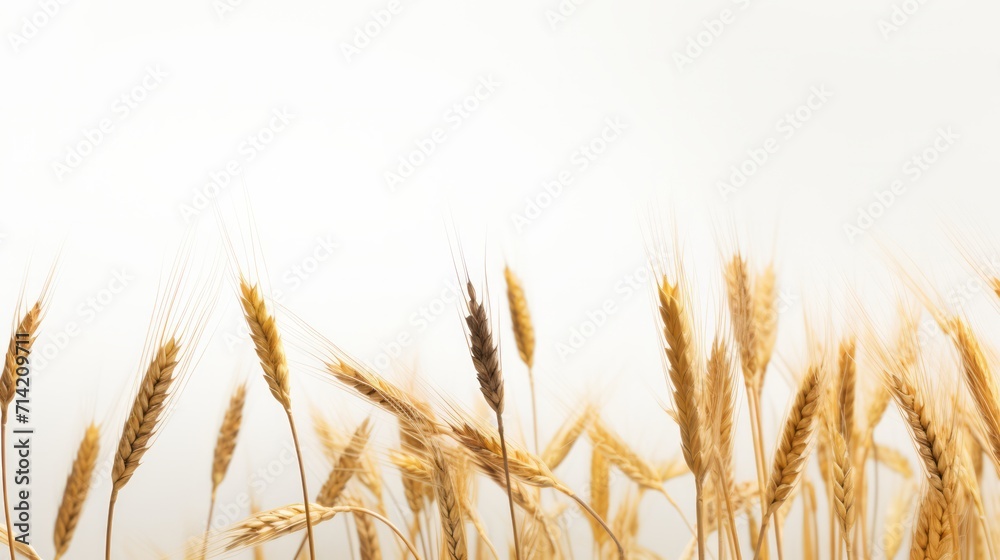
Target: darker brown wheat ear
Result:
[[271, 353], [486, 360]]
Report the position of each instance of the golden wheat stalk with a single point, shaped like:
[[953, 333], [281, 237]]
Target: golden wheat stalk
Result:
[[793, 449], [415, 414], [600, 499], [271, 354], [142, 423], [981, 383], [76, 490], [721, 405], [524, 337]]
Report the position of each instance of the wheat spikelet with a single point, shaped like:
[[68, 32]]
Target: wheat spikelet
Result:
[[981, 383], [368, 546], [225, 444], [348, 463], [561, 443], [843, 489], [371, 477], [847, 390], [332, 441], [267, 343], [143, 420], [485, 354], [683, 377], [721, 397], [923, 430], [600, 501], [741, 311], [896, 523], [485, 449], [894, 460], [28, 324], [387, 396], [520, 318], [622, 456], [792, 453], [76, 490], [765, 317], [449, 507]]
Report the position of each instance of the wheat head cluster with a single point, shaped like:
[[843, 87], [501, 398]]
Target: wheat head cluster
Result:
[[823, 455]]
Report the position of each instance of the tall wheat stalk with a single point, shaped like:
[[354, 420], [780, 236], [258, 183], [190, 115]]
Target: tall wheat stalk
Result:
[[271, 353], [524, 337], [486, 360], [686, 384]]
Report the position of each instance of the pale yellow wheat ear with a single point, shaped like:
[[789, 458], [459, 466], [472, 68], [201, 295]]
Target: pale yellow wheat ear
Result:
[[561, 443], [600, 498], [77, 487], [765, 316], [368, 545], [720, 407], [524, 337], [980, 381], [225, 445], [739, 291], [795, 445]]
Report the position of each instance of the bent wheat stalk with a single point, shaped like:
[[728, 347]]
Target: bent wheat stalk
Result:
[[271, 353]]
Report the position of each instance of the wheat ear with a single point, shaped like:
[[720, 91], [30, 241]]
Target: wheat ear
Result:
[[76, 490], [600, 499], [486, 360], [271, 354], [368, 546], [225, 445], [524, 337], [18, 351], [981, 383], [793, 450], [142, 423], [679, 346], [721, 401], [561, 443], [266, 526]]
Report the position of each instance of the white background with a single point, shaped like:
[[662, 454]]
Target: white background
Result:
[[322, 178]]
